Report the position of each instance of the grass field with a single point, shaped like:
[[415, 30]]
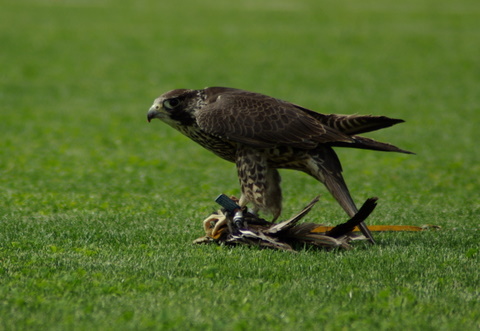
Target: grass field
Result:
[[98, 208]]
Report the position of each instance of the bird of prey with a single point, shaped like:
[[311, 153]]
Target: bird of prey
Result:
[[261, 134]]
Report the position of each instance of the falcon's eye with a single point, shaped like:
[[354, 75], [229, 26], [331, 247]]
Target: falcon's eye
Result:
[[171, 103]]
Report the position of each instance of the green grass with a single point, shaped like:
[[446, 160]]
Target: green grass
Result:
[[98, 208]]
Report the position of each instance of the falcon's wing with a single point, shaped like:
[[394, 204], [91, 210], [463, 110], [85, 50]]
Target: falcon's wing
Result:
[[261, 121]]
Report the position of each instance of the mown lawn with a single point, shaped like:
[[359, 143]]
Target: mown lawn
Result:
[[98, 208]]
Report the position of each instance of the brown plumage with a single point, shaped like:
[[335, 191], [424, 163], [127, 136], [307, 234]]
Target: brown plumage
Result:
[[262, 134]]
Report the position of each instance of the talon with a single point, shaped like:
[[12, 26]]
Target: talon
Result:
[[222, 220], [213, 225]]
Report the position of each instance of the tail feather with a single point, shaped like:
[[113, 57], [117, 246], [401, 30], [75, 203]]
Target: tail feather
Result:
[[353, 124], [356, 124]]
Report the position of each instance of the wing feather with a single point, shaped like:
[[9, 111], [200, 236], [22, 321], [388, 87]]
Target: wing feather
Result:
[[262, 121]]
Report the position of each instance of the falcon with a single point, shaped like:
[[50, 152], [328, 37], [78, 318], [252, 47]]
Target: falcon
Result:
[[262, 134]]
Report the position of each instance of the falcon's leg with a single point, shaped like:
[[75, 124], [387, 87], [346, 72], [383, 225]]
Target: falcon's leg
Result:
[[260, 184], [325, 166]]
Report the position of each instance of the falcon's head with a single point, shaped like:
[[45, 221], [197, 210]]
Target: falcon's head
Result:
[[176, 107]]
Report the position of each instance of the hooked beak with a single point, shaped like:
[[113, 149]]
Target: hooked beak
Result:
[[152, 112]]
